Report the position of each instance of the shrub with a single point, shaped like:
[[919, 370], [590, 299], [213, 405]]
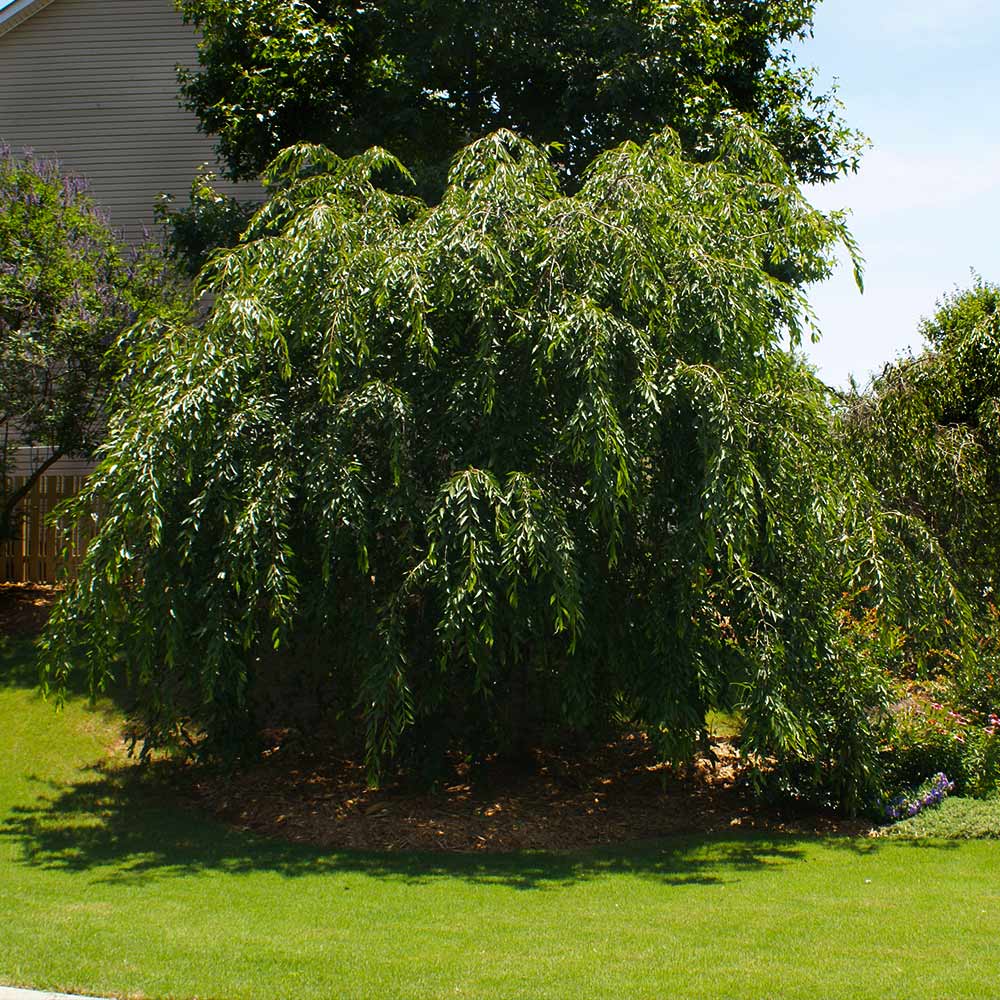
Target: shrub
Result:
[[927, 434], [930, 737], [976, 676], [981, 758]]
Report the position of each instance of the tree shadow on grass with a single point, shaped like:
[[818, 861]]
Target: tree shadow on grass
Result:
[[125, 824], [18, 662], [19, 670]]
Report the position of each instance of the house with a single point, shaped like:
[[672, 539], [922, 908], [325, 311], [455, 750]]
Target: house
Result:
[[93, 83]]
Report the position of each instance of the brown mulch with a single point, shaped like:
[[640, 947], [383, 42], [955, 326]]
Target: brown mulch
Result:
[[615, 794], [24, 608]]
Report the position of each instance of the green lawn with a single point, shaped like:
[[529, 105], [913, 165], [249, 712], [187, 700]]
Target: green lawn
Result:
[[107, 887]]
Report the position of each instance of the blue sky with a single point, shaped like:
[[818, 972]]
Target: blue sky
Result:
[[922, 80]]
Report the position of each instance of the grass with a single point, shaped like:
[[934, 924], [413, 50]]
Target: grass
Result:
[[108, 887], [723, 724]]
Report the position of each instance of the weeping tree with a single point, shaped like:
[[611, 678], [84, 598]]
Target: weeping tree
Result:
[[928, 434], [425, 78], [521, 465]]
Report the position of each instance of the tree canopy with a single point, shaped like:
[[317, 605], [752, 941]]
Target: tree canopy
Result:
[[523, 463], [423, 79]]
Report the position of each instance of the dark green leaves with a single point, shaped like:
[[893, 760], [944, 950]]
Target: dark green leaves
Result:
[[520, 462], [424, 79]]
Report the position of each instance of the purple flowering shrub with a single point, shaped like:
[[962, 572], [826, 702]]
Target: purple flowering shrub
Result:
[[68, 289]]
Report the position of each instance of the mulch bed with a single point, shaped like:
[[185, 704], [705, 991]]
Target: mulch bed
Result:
[[24, 608], [614, 795]]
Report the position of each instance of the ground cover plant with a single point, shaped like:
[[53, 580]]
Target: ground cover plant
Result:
[[953, 819], [89, 841]]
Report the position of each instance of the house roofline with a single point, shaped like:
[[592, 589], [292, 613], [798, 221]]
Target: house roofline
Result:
[[20, 10]]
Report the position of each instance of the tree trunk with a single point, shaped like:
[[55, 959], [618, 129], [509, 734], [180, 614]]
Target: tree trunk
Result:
[[8, 519]]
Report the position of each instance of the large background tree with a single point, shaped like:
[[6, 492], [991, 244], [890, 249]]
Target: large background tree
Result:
[[523, 464], [424, 77]]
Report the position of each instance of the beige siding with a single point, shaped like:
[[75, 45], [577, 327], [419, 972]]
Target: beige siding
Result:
[[93, 83], [27, 460]]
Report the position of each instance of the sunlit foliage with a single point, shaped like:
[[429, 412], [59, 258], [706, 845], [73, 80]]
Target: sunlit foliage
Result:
[[928, 434], [521, 465], [423, 79]]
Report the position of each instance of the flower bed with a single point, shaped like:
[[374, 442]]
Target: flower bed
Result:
[[930, 736], [930, 793]]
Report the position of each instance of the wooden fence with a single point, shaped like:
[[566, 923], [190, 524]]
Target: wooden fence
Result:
[[42, 548]]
